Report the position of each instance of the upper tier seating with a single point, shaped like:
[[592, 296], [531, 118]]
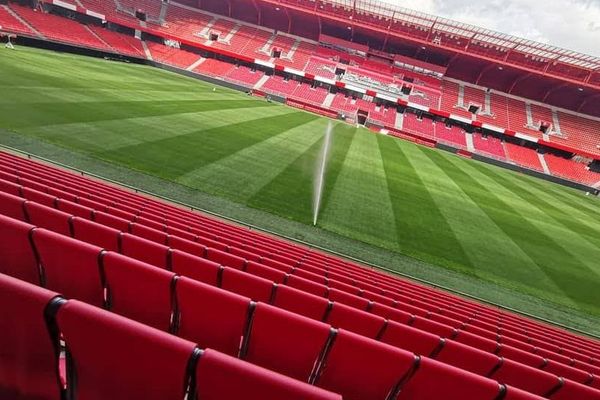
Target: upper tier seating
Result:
[[195, 25], [8, 23], [334, 293], [58, 28]]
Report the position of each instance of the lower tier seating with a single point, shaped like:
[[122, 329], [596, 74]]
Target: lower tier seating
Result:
[[112, 357], [134, 247]]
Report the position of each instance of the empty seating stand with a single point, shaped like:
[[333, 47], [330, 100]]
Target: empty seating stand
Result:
[[274, 295], [111, 357]]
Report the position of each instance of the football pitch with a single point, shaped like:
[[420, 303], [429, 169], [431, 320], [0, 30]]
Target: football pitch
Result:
[[481, 222]]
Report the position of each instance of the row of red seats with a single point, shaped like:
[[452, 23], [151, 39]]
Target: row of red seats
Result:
[[111, 357], [278, 256], [298, 347], [277, 253], [8, 23], [268, 291], [85, 284], [58, 28], [349, 286]]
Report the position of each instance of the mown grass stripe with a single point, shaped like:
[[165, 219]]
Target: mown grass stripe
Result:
[[256, 165], [19, 116], [359, 205], [560, 215], [492, 253], [575, 248], [173, 157], [572, 278], [102, 136], [417, 216]]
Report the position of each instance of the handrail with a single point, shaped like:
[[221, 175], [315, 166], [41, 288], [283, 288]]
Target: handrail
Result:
[[301, 242]]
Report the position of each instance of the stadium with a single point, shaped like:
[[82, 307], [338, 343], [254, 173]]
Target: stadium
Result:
[[293, 199]]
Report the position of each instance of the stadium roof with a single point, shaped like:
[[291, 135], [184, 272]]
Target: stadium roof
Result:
[[482, 35]]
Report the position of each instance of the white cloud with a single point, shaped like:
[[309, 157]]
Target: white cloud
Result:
[[572, 24]]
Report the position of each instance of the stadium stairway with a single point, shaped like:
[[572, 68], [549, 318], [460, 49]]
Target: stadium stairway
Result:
[[231, 279]]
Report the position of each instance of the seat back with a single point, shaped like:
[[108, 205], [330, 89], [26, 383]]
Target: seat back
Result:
[[210, 316], [12, 206], [525, 377], [49, 218], [95, 233], [28, 354], [286, 343], [258, 289], [145, 250], [16, 254], [120, 359], [221, 377], [435, 380], [139, 291], [409, 338], [354, 320], [70, 267], [299, 302], [362, 368]]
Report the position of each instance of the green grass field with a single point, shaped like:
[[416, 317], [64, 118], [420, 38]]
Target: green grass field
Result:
[[482, 223]]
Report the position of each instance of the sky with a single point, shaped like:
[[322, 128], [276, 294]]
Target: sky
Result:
[[571, 24]]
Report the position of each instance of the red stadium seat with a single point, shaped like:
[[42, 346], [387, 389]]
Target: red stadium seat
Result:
[[111, 221], [266, 272], [49, 218], [435, 380], [28, 354], [146, 300], [119, 359], [210, 316], [306, 285], [409, 338], [221, 377], [225, 259], [352, 319], [254, 287], [39, 197], [524, 377], [348, 299], [145, 250], [286, 343], [359, 368], [575, 391], [70, 267], [148, 233], [74, 209], [299, 302], [95, 233], [12, 206], [16, 254], [468, 358], [194, 267]]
